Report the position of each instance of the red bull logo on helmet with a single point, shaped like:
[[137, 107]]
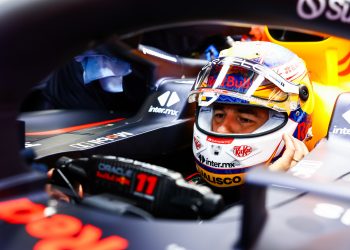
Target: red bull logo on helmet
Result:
[[239, 82]]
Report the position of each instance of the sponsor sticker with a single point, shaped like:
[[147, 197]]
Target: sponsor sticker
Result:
[[101, 140], [166, 100], [346, 116], [240, 80], [105, 167], [221, 180], [242, 151], [113, 178], [341, 131], [219, 140], [58, 231], [214, 164], [197, 143], [333, 10], [292, 70], [114, 174]]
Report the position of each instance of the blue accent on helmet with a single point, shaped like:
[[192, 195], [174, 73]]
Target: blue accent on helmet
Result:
[[231, 100], [298, 115]]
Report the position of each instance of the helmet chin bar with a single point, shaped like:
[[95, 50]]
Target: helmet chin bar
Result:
[[223, 160]]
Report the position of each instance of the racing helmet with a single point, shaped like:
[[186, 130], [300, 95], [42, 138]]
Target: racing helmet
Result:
[[255, 74]]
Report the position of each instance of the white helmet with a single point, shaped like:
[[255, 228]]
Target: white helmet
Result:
[[259, 74]]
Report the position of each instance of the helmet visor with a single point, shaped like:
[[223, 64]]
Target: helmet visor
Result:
[[232, 80], [239, 120]]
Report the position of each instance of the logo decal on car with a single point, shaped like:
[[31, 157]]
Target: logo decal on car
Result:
[[59, 231], [334, 10], [174, 98], [346, 116], [343, 131], [166, 100], [101, 140]]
